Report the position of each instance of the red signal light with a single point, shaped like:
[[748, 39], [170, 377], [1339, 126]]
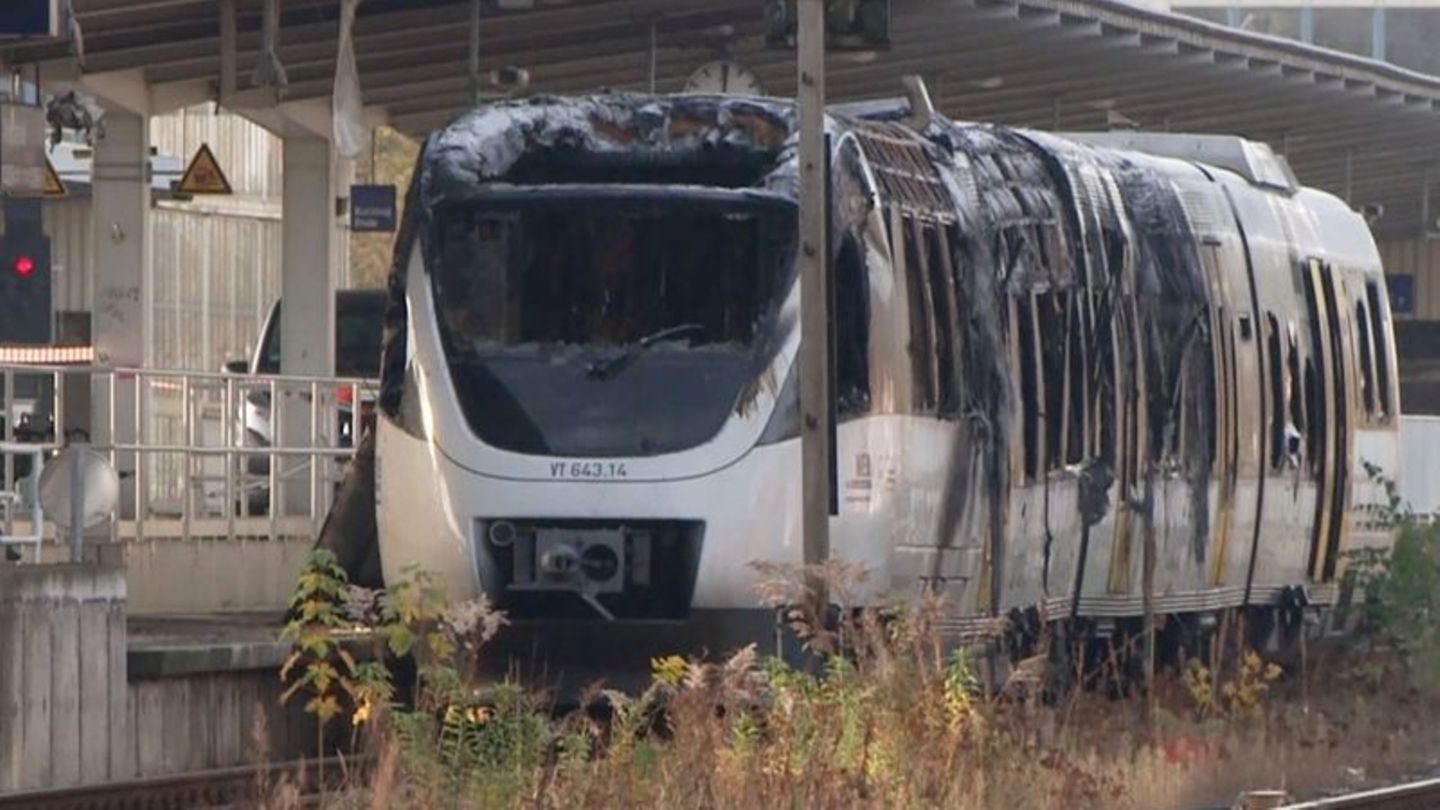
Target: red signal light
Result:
[[24, 266]]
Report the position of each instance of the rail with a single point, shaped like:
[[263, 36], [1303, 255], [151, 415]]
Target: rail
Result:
[[1423, 795], [199, 454], [226, 787]]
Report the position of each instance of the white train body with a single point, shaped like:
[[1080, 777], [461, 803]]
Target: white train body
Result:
[[1214, 340]]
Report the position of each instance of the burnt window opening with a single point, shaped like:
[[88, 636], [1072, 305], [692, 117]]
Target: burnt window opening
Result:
[[1278, 406], [947, 318], [1028, 374], [1367, 360], [1296, 397], [852, 330], [1313, 394], [1102, 384], [1077, 397], [923, 337], [718, 168], [607, 324], [1298, 405], [1051, 311], [1379, 318], [1198, 405]]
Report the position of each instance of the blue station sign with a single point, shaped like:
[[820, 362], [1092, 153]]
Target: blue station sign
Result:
[[372, 209]]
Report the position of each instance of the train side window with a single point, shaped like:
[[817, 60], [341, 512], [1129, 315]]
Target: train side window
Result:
[[1367, 360], [1297, 403], [923, 338], [1198, 405], [1028, 374], [1103, 379], [943, 308], [1379, 318], [1314, 430], [852, 330], [1077, 394], [1051, 309], [1278, 405]]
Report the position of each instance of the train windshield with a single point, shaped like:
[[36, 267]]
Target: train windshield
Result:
[[619, 325]]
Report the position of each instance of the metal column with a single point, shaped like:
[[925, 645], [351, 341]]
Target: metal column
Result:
[[814, 285], [307, 312], [1377, 33], [121, 307]]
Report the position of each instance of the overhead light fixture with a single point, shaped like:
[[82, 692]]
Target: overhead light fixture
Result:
[[849, 24], [859, 57], [510, 77]]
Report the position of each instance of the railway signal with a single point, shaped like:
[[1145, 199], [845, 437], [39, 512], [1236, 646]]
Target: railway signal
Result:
[[25, 280]]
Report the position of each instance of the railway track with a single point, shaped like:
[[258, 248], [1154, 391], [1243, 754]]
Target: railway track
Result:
[[224, 787], [1424, 795]]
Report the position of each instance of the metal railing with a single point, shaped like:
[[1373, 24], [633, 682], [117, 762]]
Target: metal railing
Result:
[[200, 454], [23, 497]]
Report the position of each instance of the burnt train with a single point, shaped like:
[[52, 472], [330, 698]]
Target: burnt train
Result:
[[1048, 350]]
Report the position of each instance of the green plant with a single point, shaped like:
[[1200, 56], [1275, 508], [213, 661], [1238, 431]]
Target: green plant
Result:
[[1400, 592], [325, 668]]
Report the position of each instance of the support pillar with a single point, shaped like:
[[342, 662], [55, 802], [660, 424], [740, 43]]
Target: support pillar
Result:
[[815, 422], [120, 307], [307, 314], [1377, 33]]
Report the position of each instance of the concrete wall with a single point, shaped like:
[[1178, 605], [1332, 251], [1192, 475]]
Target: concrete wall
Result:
[[83, 700], [1421, 259], [64, 713], [205, 575]]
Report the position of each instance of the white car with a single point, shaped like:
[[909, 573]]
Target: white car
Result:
[[358, 324]]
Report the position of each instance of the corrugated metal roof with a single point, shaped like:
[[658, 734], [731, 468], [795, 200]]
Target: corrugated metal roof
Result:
[[1348, 124]]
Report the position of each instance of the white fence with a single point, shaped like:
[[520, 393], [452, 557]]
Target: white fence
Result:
[[200, 455], [1420, 463]]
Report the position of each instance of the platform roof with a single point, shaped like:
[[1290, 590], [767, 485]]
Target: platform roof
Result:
[[1360, 128]]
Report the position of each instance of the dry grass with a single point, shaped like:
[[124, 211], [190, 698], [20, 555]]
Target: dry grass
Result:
[[884, 717]]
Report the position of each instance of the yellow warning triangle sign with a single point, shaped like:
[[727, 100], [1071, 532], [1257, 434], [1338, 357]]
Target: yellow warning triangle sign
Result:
[[203, 175], [54, 186]]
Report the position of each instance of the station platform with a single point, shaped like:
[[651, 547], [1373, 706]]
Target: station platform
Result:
[[179, 645]]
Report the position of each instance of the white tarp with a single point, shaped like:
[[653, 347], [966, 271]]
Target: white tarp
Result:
[[351, 135]]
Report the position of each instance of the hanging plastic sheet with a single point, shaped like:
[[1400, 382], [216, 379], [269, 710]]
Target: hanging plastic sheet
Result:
[[350, 133]]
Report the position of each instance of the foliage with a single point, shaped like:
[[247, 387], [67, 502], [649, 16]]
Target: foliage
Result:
[[1400, 590], [1240, 697], [326, 669], [879, 712]]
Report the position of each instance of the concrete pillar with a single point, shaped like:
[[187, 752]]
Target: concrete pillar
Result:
[[1377, 33], [307, 344], [1307, 24], [307, 293], [120, 310]]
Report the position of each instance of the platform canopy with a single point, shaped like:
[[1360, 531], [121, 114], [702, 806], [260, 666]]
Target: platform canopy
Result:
[[1362, 129]]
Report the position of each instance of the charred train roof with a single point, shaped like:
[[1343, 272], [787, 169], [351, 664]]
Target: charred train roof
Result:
[[748, 143], [615, 138]]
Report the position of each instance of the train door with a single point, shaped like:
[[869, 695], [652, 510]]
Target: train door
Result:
[[1329, 392]]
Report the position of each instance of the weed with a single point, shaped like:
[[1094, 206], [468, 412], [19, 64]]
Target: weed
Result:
[[882, 714], [1400, 592]]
